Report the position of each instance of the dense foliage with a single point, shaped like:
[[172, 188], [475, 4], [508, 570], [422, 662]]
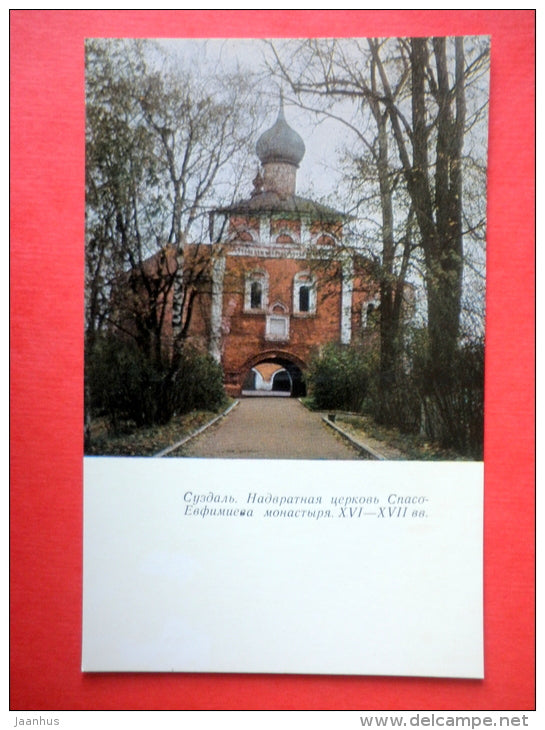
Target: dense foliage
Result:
[[127, 388], [338, 378], [448, 413]]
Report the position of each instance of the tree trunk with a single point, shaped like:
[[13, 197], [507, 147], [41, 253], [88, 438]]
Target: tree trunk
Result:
[[445, 266]]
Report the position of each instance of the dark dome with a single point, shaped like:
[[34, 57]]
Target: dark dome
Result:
[[280, 143]]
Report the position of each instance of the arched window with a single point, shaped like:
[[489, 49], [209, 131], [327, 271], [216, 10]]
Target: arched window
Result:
[[256, 291], [304, 294], [304, 298], [256, 295]]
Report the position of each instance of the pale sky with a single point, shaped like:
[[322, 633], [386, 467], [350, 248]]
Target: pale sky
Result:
[[319, 175], [321, 138]]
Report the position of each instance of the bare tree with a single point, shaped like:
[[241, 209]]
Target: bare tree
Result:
[[328, 81], [414, 90], [158, 143], [163, 143], [405, 102]]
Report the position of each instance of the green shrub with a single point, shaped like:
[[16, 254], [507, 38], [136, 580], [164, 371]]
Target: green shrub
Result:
[[451, 399], [445, 407], [338, 378], [453, 408], [198, 383], [394, 401], [117, 381], [123, 384]]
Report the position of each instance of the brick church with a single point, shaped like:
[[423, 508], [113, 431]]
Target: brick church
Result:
[[283, 282]]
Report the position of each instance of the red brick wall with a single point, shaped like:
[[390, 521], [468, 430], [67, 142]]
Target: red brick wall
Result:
[[245, 333]]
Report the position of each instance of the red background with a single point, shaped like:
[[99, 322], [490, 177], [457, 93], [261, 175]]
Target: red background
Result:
[[47, 232]]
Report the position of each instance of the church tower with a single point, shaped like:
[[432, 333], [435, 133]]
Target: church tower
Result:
[[271, 303], [280, 150]]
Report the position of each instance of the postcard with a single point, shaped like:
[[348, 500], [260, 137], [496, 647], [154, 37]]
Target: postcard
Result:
[[284, 356]]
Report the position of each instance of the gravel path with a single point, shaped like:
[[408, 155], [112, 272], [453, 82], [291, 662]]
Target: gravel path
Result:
[[269, 428]]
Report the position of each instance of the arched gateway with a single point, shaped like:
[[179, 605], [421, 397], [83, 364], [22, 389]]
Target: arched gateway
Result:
[[271, 373]]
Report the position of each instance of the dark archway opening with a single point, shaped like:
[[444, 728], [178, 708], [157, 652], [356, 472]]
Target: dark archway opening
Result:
[[274, 376], [281, 382], [298, 385]]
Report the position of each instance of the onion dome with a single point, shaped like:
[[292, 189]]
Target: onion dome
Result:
[[280, 143]]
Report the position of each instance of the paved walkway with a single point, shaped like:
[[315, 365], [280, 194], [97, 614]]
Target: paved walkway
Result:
[[269, 428]]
